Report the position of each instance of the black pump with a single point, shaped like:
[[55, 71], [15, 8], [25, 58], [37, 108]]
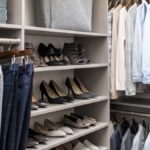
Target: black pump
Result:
[[50, 94]]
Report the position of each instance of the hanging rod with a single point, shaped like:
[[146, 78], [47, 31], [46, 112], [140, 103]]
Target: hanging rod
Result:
[[9, 41], [130, 113], [16, 53]]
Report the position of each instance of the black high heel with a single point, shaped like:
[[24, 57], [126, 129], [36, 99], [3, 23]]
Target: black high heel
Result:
[[77, 93], [83, 88], [59, 56], [60, 92], [50, 94], [48, 55]]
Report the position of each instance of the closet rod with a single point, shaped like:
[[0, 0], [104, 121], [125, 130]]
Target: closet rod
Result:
[[131, 104], [130, 113], [9, 41]]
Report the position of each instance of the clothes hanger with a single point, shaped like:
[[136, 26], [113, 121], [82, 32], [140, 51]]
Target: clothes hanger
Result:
[[130, 3], [124, 2], [111, 4], [139, 2], [133, 126], [117, 3], [144, 124]]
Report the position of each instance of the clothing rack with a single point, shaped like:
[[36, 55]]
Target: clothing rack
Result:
[[9, 41], [130, 113]]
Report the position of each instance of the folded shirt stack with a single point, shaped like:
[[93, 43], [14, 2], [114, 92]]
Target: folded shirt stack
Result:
[[3, 11]]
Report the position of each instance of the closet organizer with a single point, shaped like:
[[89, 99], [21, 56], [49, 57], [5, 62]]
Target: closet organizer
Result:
[[21, 24]]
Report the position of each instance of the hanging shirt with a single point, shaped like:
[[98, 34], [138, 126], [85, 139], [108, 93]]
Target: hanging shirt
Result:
[[120, 53], [110, 20], [147, 143], [138, 43], [115, 140], [127, 140], [138, 142], [130, 28], [111, 128], [146, 48], [116, 12]]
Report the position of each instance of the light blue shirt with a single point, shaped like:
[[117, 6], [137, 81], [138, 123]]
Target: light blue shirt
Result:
[[146, 48], [138, 43]]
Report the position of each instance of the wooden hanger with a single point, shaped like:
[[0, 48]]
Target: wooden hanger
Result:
[[130, 3], [124, 2], [16, 53], [111, 4], [139, 2], [117, 3]]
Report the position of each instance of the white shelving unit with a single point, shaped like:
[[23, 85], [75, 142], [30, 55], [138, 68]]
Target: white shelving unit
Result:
[[21, 24], [78, 133]]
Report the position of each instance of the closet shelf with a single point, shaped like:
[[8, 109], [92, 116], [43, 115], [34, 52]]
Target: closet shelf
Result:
[[10, 26], [55, 107], [30, 30], [70, 67], [78, 133]]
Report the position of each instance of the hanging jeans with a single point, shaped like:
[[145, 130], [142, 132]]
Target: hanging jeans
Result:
[[16, 107], [1, 94], [24, 98], [8, 97]]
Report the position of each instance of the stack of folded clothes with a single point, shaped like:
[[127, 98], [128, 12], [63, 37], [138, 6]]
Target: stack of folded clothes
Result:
[[3, 11]]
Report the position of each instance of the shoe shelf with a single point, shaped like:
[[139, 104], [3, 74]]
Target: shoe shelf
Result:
[[31, 30], [10, 26], [55, 107], [70, 67], [78, 133]]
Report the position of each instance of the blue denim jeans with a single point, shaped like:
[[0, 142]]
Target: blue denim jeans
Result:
[[17, 99], [10, 79], [24, 99]]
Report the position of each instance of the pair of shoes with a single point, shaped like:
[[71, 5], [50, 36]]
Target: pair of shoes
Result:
[[86, 145], [37, 62], [54, 93], [31, 143], [87, 119], [75, 122], [37, 104], [40, 138], [39, 128], [78, 89], [51, 55], [55, 126], [75, 53], [79, 121]]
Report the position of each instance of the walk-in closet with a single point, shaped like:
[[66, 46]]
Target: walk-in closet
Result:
[[74, 75]]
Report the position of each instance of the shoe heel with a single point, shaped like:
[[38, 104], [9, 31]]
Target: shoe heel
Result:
[[42, 96]]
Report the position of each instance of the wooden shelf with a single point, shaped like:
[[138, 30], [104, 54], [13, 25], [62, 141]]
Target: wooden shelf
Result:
[[55, 107], [30, 30], [78, 133], [70, 67], [10, 26]]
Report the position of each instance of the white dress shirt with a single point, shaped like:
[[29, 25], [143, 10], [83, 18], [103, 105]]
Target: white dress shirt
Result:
[[146, 48], [120, 54], [130, 29], [138, 43]]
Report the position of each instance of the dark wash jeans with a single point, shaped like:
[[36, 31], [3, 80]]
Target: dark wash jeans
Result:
[[24, 105], [19, 109], [10, 78]]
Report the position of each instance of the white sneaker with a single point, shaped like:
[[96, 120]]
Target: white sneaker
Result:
[[90, 145], [80, 146], [67, 130]]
